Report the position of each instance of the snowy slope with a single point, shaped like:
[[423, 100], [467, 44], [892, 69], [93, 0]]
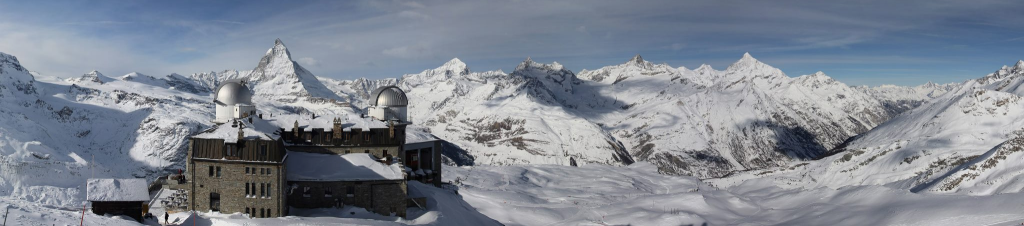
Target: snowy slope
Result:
[[967, 140], [639, 195], [503, 119], [54, 135]]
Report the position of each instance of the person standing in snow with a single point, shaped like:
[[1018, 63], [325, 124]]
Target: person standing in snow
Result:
[[165, 217]]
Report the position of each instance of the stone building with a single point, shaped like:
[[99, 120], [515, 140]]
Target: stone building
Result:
[[261, 164], [236, 168], [330, 180]]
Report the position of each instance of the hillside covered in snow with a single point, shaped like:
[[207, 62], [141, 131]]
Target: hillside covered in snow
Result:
[[654, 144]]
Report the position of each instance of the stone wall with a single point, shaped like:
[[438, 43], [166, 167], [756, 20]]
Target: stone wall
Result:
[[231, 186], [382, 196]]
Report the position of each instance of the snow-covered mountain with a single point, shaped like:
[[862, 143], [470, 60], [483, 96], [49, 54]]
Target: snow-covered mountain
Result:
[[91, 77], [278, 77], [700, 122], [897, 99], [503, 119], [968, 140], [55, 134]]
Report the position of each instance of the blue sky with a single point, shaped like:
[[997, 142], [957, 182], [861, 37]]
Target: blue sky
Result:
[[856, 42]]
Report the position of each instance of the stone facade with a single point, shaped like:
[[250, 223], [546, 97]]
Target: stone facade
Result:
[[243, 177], [385, 197], [263, 197]]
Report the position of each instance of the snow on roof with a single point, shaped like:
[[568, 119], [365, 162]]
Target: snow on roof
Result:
[[304, 166], [417, 135], [117, 190], [307, 123], [259, 128]]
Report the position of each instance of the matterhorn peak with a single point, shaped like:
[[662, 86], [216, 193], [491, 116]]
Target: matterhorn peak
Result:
[[1019, 66]]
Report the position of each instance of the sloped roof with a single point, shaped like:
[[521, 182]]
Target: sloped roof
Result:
[[117, 190], [304, 166]]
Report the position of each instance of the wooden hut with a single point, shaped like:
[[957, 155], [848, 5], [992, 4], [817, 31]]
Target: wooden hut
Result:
[[118, 196]]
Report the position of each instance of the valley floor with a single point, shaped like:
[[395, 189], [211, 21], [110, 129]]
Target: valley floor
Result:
[[608, 195]]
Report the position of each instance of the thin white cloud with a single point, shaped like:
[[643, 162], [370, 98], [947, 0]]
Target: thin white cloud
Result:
[[309, 62]]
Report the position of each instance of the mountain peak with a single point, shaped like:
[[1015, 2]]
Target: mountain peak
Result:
[[1020, 65], [636, 59], [93, 76], [639, 61], [278, 76], [455, 62], [453, 67], [746, 61], [7, 60]]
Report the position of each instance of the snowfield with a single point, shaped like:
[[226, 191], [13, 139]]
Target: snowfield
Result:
[[655, 144]]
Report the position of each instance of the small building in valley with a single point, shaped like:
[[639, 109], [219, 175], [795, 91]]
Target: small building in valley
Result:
[[117, 196]]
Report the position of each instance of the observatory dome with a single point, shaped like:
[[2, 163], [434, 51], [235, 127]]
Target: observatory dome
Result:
[[234, 91], [389, 96]]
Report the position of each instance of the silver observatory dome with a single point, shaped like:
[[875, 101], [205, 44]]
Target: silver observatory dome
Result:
[[231, 92], [389, 96]]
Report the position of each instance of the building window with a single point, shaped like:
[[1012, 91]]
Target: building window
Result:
[[268, 192], [262, 187], [262, 211], [350, 190], [263, 151], [247, 191], [211, 171], [247, 210], [305, 192], [261, 171], [253, 188], [246, 170], [218, 171], [366, 137], [328, 192], [269, 170]]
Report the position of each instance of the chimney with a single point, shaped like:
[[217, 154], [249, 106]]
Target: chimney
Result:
[[295, 131], [241, 135], [337, 127]]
